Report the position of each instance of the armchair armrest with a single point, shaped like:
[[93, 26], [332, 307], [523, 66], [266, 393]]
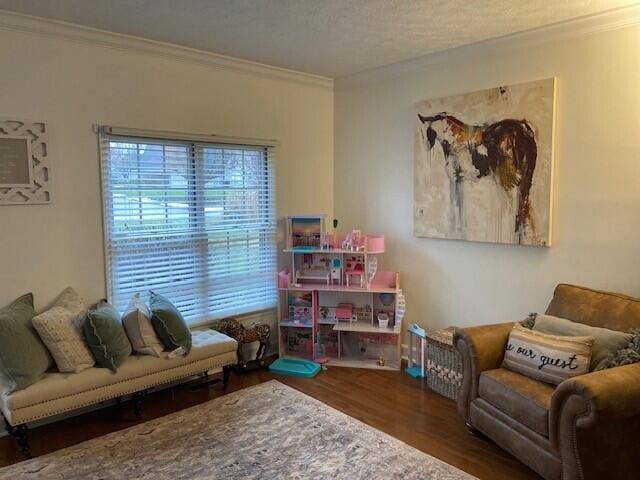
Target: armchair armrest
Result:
[[605, 395], [482, 348], [594, 422]]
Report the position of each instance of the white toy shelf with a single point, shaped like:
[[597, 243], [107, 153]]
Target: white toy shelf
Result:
[[334, 306]]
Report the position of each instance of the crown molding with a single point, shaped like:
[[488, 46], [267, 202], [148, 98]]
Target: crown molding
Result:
[[588, 25], [77, 33]]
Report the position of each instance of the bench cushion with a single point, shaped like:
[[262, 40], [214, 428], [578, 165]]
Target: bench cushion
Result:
[[60, 392]]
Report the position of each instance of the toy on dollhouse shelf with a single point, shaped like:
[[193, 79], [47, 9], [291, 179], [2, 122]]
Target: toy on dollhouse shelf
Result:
[[318, 256], [354, 241], [344, 313], [336, 270], [356, 311], [314, 267], [305, 232], [356, 271]]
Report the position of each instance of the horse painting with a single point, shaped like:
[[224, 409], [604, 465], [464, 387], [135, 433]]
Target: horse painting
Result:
[[476, 180], [506, 150]]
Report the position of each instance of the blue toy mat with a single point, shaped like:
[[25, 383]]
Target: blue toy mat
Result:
[[295, 367]]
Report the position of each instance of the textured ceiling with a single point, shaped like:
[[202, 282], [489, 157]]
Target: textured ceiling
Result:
[[327, 37]]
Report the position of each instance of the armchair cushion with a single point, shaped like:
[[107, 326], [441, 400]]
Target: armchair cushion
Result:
[[525, 400]]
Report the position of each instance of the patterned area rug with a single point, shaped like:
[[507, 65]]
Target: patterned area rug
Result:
[[269, 431]]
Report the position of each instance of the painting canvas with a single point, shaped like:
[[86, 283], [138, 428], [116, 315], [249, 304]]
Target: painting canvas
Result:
[[483, 165]]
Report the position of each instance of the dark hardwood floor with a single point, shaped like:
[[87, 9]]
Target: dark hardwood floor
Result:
[[389, 401]]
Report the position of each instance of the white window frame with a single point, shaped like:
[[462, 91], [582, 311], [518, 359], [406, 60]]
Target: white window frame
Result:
[[205, 313]]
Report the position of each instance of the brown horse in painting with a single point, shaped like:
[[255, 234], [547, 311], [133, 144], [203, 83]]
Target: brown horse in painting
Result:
[[505, 149]]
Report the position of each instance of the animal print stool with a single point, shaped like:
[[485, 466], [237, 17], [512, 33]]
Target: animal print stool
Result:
[[258, 332]]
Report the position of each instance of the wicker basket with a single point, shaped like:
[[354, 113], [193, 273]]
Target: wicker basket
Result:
[[444, 365]]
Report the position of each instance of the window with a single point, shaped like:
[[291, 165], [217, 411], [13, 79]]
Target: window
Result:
[[193, 221]]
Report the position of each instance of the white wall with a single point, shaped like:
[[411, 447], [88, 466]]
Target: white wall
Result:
[[71, 84], [597, 191]]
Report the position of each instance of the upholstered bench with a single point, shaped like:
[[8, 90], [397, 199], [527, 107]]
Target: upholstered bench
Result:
[[56, 393]]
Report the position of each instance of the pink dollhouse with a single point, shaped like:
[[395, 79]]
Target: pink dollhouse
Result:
[[353, 313]]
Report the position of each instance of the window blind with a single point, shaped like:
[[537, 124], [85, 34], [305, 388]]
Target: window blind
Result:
[[193, 221]]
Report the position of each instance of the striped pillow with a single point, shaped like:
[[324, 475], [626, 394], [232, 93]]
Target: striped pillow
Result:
[[548, 358]]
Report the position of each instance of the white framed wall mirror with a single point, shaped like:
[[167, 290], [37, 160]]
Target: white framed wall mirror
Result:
[[25, 163]]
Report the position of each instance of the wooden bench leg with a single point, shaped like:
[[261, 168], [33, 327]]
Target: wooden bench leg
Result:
[[226, 374], [21, 434], [138, 399], [207, 381], [8, 427]]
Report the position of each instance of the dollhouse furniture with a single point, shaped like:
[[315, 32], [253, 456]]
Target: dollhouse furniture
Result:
[[417, 335], [343, 303], [344, 312], [336, 271], [313, 268], [358, 271], [383, 320]]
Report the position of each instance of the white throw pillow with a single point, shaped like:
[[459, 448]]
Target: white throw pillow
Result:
[[137, 323], [60, 328], [548, 358]]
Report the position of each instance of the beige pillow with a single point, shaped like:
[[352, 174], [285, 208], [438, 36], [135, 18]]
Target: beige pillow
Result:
[[548, 358], [60, 328], [137, 323]]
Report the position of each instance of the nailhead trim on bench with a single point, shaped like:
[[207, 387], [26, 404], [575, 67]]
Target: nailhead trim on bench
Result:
[[120, 394]]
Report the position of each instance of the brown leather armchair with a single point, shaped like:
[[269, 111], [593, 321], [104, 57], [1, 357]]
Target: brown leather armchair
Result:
[[588, 427]]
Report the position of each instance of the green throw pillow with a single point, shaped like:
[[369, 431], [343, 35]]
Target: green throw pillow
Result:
[[605, 342], [169, 324], [625, 356], [23, 356], [106, 337]]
